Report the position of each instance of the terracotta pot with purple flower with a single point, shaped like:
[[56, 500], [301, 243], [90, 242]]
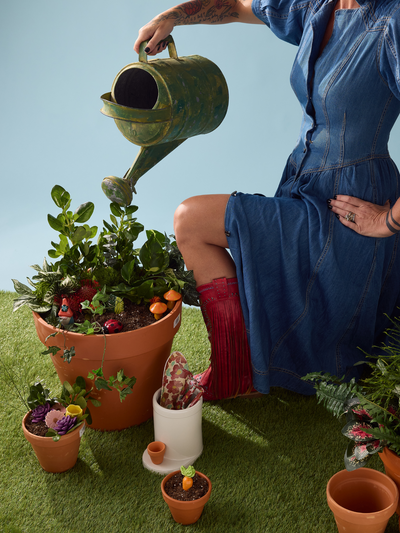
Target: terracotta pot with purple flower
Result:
[[54, 426]]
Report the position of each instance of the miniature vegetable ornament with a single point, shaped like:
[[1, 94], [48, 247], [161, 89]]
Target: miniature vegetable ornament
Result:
[[188, 474]]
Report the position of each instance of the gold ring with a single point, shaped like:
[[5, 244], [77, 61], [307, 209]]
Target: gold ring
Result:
[[350, 216]]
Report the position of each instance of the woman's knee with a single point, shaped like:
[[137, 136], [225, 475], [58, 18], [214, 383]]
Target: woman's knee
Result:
[[200, 219], [185, 220]]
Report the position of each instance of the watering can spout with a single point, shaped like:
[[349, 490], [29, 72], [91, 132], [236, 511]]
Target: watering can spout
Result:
[[120, 190], [147, 158], [159, 104]]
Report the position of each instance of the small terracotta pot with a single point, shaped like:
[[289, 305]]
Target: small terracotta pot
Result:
[[55, 456], [362, 501], [156, 450], [185, 512]]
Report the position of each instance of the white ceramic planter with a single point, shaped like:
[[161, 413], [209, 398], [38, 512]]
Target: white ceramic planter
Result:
[[181, 432]]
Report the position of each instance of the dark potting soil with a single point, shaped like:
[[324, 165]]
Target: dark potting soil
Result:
[[173, 487], [37, 428], [133, 316]]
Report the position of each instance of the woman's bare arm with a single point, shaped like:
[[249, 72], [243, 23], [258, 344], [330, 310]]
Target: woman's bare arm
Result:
[[194, 12]]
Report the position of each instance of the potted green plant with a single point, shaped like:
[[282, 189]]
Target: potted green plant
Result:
[[106, 280], [186, 492], [54, 425], [371, 407]]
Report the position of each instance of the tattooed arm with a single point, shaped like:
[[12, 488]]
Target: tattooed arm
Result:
[[194, 12]]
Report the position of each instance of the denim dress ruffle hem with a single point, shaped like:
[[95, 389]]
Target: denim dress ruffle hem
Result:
[[314, 293]]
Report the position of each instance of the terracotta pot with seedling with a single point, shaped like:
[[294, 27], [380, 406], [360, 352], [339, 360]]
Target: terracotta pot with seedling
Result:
[[186, 492]]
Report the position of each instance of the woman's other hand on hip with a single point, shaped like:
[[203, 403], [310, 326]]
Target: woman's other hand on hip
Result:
[[363, 217]]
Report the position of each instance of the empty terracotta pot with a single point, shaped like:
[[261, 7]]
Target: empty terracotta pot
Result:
[[156, 450], [362, 501]]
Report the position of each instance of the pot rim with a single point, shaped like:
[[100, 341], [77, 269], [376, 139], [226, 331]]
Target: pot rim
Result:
[[178, 503], [388, 453], [363, 475], [171, 315]]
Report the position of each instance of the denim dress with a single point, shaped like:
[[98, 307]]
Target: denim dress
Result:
[[314, 293]]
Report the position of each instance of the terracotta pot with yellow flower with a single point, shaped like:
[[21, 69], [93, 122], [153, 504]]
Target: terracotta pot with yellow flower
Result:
[[54, 426]]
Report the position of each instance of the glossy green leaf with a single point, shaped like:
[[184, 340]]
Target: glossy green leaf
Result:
[[102, 384], [55, 223], [116, 209], [131, 209], [53, 254], [152, 255], [60, 196], [78, 235], [84, 212], [127, 270]]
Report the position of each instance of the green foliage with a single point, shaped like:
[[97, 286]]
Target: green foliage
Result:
[[47, 283], [188, 472], [67, 354], [128, 272], [77, 394], [39, 395], [98, 303], [75, 252], [372, 407], [123, 384], [332, 392]]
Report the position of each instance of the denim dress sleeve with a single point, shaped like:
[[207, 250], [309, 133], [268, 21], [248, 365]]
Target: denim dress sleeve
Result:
[[390, 53], [285, 18]]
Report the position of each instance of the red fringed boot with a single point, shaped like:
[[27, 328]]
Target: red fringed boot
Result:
[[229, 374]]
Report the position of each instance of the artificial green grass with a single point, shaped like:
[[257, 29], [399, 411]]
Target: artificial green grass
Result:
[[269, 459]]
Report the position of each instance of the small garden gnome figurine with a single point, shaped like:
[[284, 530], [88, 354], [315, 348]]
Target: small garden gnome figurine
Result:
[[65, 314]]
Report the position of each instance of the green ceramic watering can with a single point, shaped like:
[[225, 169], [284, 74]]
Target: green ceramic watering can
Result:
[[157, 105]]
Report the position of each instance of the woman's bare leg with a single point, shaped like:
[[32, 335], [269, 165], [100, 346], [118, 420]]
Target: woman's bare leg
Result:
[[199, 226], [200, 234]]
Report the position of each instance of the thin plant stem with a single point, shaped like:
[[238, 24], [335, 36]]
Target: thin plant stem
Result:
[[14, 384]]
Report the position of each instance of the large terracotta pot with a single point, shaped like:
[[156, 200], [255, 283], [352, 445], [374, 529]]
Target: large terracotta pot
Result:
[[141, 353], [55, 456], [185, 512], [362, 500]]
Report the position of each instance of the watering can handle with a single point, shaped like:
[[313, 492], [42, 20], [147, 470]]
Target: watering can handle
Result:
[[171, 49]]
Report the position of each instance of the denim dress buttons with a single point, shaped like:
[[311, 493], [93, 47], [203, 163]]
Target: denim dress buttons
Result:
[[315, 293]]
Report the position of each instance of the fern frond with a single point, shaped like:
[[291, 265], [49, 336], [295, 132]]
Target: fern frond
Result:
[[334, 398], [332, 392]]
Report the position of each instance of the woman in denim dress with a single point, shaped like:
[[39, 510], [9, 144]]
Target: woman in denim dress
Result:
[[315, 268]]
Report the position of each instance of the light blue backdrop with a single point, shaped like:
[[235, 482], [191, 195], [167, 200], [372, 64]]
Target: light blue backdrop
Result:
[[59, 57]]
